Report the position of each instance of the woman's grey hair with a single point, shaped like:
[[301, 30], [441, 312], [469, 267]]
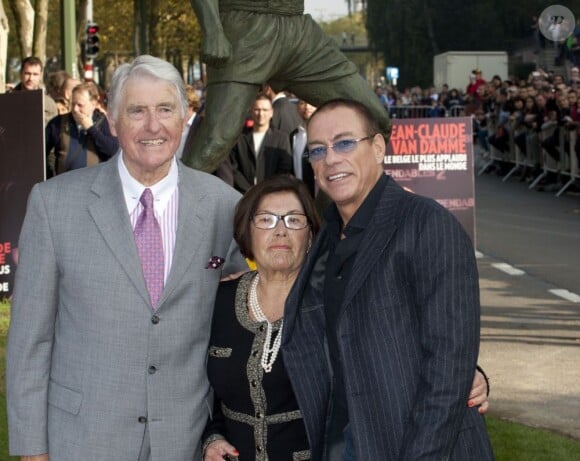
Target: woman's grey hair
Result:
[[145, 66]]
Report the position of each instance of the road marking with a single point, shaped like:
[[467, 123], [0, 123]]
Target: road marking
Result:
[[479, 255], [510, 270], [567, 295]]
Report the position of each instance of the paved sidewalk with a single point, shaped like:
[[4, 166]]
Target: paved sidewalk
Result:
[[530, 348]]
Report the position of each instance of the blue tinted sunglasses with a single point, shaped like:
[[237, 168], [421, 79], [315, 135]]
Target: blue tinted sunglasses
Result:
[[344, 146]]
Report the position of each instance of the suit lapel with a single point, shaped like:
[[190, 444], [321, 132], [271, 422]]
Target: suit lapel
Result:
[[249, 139], [377, 237], [379, 233], [189, 232], [109, 212], [262, 160], [312, 272]]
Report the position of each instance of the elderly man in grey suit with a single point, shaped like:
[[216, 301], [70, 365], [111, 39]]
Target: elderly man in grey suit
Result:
[[381, 328], [119, 266]]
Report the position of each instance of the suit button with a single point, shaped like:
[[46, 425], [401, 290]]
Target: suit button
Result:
[[155, 319], [261, 328], [254, 383], [259, 415], [152, 370], [254, 353], [259, 448], [142, 419]]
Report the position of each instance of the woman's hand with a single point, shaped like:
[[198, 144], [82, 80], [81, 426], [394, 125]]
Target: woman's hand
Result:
[[216, 451], [478, 394]]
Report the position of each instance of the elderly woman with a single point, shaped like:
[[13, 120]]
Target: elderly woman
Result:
[[274, 225], [255, 414]]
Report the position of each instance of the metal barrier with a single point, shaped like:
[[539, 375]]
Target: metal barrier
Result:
[[573, 162], [423, 111], [537, 155], [519, 158], [409, 111], [493, 153], [549, 165], [456, 111]]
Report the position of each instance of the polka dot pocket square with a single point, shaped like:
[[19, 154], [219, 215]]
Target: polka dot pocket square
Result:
[[215, 262]]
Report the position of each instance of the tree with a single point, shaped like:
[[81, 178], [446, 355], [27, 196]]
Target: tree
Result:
[[31, 24], [165, 28], [23, 13], [141, 23], [410, 32], [4, 29], [39, 35]]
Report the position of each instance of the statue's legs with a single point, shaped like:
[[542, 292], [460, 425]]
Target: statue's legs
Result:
[[349, 87], [226, 107]]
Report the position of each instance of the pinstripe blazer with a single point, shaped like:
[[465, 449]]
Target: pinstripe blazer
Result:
[[88, 361], [408, 336]]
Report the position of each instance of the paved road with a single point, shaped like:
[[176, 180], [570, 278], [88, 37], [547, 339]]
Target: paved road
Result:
[[530, 337], [534, 231]]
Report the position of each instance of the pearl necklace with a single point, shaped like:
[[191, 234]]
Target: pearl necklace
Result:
[[269, 354]]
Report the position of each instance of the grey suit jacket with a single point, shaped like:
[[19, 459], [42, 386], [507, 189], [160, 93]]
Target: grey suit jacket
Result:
[[408, 337], [88, 361]]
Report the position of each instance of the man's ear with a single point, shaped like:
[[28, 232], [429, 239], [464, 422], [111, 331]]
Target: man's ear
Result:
[[379, 147], [112, 126]]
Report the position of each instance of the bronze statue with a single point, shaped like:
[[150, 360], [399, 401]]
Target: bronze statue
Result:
[[247, 43]]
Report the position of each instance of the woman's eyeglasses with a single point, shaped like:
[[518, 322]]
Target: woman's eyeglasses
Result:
[[294, 221]]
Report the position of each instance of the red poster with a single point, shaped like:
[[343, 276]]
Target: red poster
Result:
[[434, 157], [21, 166]]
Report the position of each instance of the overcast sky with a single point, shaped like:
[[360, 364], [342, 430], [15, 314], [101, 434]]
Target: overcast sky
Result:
[[326, 9]]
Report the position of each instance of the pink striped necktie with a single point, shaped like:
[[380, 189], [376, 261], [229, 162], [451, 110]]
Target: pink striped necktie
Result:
[[150, 247]]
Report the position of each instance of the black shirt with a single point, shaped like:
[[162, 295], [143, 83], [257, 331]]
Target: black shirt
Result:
[[342, 254]]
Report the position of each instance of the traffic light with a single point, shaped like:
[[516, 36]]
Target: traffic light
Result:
[[92, 41]]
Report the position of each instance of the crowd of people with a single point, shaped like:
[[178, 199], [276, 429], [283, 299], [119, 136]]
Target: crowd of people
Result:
[[531, 115], [77, 132], [519, 118], [119, 278]]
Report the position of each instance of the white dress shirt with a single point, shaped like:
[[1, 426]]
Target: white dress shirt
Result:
[[165, 205]]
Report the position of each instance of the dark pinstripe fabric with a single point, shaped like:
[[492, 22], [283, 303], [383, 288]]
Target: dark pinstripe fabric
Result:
[[408, 337]]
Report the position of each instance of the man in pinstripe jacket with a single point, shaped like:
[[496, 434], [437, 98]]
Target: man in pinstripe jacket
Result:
[[381, 331]]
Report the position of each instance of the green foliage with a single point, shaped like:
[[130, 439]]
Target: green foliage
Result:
[[4, 430], [4, 319], [410, 32], [116, 25], [353, 24], [173, 28], [516, 442], [4, 322], [178, 30]]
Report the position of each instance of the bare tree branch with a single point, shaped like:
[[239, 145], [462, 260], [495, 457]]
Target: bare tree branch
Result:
[[24, 18], [4, 29], [40, 23]]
